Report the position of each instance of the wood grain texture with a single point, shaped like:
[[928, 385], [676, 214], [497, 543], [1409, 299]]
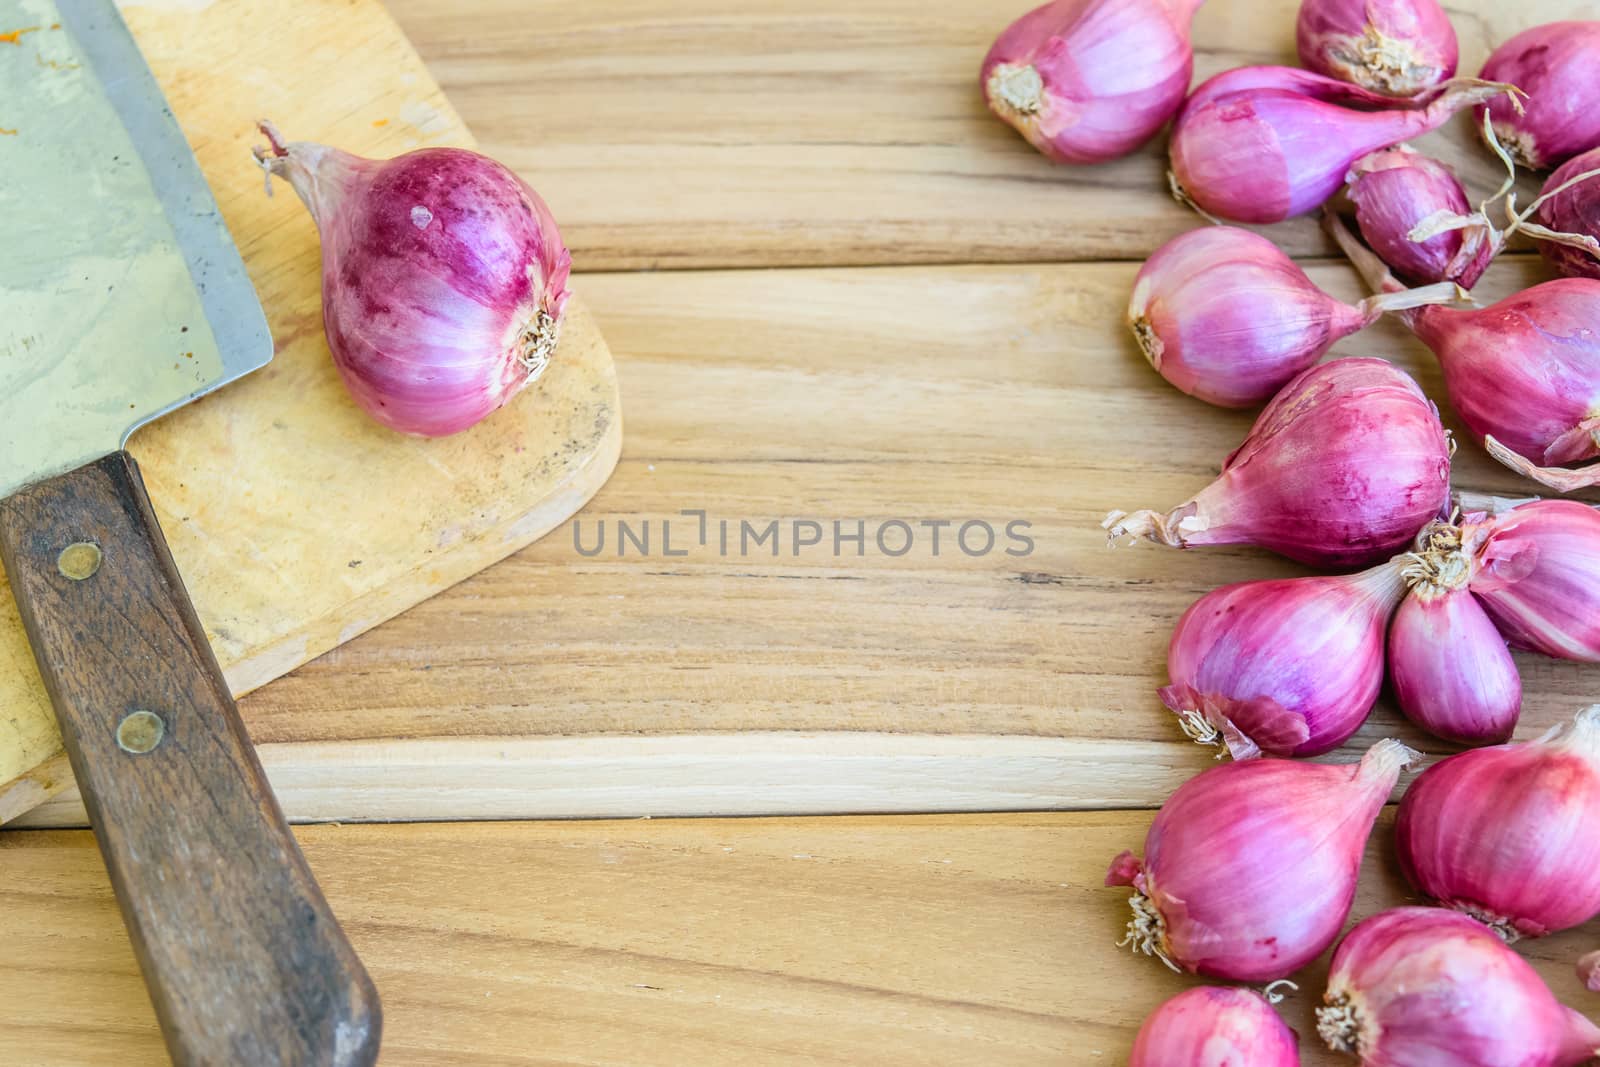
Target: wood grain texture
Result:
[[735, 133], [297, 521], [934, 940], [557, 684], [243, 959]]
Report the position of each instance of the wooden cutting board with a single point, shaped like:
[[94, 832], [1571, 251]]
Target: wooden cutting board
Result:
[[296, 521]]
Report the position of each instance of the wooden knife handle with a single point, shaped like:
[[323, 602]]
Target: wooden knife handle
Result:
[[244, 961]]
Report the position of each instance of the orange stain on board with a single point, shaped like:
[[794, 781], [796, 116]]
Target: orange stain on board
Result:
[[380, 122], [7, 133], [15, 36]]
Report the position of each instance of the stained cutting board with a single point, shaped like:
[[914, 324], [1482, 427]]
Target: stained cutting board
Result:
[[296, 521]]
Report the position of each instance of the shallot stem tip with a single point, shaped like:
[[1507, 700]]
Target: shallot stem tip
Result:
[[1271, 991]]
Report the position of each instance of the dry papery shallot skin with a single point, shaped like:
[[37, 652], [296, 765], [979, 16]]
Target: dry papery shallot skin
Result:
[[1087, 81], [443, 279], [1342, 469]]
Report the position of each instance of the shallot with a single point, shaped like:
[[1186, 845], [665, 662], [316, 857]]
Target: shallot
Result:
[[1557, 66], [1305, 83], [1225, 316], [1424, 987], [1343, 468], [1289, 667], [444, 279], [1396, 191], [1452, 673], [1508, 834], [1087, 81], [1536, 569], [1589, 971], [1523, 374], [1398, 47], [1212, 1026], [1570, 204], [1264, 146], [1250, 868]]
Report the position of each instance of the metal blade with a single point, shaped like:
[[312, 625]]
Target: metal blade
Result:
[[122, 295]]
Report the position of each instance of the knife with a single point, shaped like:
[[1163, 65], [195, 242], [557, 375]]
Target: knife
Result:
[[122, 297]]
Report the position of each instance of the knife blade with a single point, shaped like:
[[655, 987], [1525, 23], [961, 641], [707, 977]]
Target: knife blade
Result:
[[122, 297]]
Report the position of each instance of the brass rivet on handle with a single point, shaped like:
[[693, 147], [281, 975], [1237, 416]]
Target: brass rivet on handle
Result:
[[79, 560], [140, 732]]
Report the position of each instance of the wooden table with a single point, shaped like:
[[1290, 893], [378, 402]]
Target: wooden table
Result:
[[939, 338]]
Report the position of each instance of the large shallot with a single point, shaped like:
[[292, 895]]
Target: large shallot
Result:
[[1343, 468], [1426, 987], [444, 278], [1289, 667], [1087, 81], [1557, 66], [1250, 868], [1509, 835], [1225, 316], [1398, 47]]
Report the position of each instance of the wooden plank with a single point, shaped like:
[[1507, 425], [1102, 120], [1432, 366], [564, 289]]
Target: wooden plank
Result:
[[934, 940], [557, 684], [693, 133], [296, 521]]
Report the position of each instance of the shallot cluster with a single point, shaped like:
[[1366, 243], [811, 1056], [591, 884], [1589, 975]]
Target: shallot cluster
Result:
[[1249, 869], [1527, 576], [444, 279]]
